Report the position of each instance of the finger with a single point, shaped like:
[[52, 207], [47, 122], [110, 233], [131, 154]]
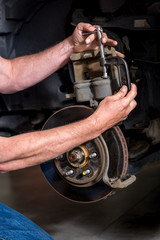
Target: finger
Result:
[[110, 42], [119, 54], [104, 38], [90, 39], [129, 97], [132, 93], [85, 27], [131, 106], [120, 94]]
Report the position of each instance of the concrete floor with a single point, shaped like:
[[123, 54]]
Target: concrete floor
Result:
[[132, 213]]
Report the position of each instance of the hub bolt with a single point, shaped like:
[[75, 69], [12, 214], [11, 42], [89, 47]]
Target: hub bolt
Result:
[[70, 172], [86, 172], [93, 155], [60, 157]]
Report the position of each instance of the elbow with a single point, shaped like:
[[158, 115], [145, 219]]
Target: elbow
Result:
[[7, 83], [6, 89]]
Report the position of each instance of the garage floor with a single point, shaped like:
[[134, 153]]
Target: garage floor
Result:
[[132, 213]]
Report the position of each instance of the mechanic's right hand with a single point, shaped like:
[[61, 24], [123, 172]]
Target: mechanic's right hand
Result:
[[114, 109], [83, 43]]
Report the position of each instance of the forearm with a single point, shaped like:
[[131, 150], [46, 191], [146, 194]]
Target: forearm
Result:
[[34, 148], [23, 72], [26, 71]]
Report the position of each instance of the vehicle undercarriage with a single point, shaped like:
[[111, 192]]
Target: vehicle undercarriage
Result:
[[89, 172]]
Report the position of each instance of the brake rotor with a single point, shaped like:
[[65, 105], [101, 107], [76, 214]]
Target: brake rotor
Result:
[[78, 174]]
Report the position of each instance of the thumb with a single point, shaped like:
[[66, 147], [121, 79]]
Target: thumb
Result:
[[121, 93]]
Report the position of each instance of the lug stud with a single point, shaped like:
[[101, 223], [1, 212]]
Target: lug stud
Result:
[[60, 157], [70, 172], [93, 155], [86, 172]]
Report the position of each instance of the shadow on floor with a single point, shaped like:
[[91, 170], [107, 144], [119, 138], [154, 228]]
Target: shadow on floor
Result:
[[132, 213]]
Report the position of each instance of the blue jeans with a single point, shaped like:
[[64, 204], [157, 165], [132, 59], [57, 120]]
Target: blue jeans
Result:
[[14, 226]]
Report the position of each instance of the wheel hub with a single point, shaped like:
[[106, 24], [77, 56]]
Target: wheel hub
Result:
[[78, 173]]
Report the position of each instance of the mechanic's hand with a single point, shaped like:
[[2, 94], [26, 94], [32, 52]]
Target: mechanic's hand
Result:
[[115, 108], [90, 42]]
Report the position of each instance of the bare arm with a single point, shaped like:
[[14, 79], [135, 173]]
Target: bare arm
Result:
[[33, 148], [23, 72]]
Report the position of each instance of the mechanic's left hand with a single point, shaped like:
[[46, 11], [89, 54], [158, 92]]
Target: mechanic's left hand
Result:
[[90, 42]]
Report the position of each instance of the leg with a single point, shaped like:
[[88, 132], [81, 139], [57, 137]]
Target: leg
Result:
[[14, 225]]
